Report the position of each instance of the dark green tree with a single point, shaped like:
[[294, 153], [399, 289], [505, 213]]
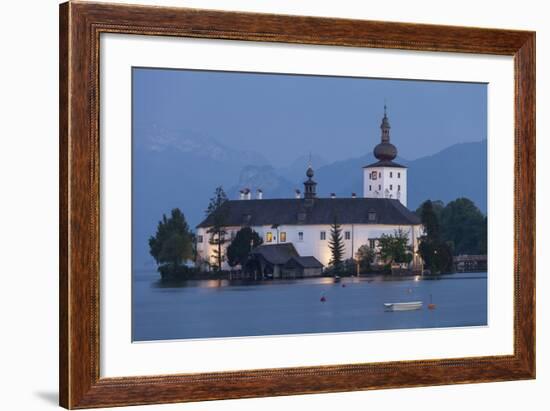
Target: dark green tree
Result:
[[336, 245], [217, 231], [172, 243], [245, 240], [437, 256], [429, 219], [464, 226], [364, 257], [395, 247]]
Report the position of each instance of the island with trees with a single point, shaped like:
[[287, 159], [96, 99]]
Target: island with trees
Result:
[[450, 230]]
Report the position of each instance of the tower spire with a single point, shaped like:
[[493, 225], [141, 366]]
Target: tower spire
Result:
[[385, 150]]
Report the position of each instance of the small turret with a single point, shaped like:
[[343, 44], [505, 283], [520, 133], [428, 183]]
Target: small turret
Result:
[[310, 185]]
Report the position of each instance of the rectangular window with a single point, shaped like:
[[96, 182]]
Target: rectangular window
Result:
[[379, 174], [347, 235], [282, 236], [391, 174], [372, 216], [323, 235], [370, 187], [268, 237], [379, 187], [398, 187], [300, 236], [199, 239], [398, 175], [372, 243], [391, 186]]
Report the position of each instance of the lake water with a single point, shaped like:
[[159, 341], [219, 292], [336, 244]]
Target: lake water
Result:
[[219, 308]]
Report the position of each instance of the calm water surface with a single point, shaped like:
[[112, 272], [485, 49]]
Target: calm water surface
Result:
[[219, 308]]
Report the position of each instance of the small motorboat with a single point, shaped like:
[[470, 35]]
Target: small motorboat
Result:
[[337, 278], [409, 306]]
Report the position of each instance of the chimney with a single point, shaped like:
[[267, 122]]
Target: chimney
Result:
[[353, 195], [259, 194], [247, 194], [241, 194], [297, 194], [332, 195]]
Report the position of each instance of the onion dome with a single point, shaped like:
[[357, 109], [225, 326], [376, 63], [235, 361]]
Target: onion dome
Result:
[[385, 151]]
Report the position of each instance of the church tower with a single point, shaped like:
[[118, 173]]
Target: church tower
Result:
[[385, 178]]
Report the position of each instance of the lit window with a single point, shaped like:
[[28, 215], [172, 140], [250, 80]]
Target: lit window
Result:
[[323, 235], [199, 239], [300, 235], [347, 235], [282, 236], [269, 237], [391, 174], [372, 216]]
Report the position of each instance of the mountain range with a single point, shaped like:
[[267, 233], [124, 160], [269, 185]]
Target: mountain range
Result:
[[182, 169]]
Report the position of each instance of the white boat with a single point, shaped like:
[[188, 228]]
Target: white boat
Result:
[[413, 305]]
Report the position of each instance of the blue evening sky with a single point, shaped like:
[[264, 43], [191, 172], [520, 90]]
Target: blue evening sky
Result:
[[287, 116]]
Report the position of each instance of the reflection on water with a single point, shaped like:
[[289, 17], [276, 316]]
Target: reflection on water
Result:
[[223, 308]]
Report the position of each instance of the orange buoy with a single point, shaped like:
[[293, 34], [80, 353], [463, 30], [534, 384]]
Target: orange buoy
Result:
[[431, 305]]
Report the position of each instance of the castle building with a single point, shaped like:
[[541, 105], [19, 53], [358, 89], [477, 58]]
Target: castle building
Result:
[[304, 222]]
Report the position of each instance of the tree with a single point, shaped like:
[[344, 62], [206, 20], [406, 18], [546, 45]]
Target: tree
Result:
[[395, 248], [464, 226], [364, 257], [435, 252], [336, 245], [172, 243], [239, 249], [429, 219], [217, 230]]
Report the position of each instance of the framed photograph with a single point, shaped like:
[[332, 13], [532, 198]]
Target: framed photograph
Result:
[[260, 205]]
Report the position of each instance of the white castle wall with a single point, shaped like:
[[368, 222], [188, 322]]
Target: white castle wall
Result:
[[311, 243]]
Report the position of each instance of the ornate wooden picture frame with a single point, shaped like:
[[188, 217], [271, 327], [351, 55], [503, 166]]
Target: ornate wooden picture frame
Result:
[[80, 27]]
